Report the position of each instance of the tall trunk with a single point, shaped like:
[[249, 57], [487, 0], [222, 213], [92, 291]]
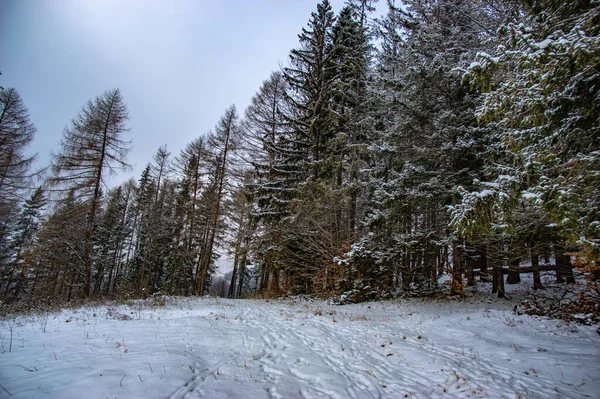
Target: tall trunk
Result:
[[470, 274], [535, 262], [275, 280], [192, 214], [264, 282], [564, 268], [217, 211], [443, 260], [500, 276], [87, 249], [242, 272], [353, 207], [21, 280], [57, 279], [236, 259], [483, 262], [495, 279], [200, 262], [71, 284], [456, 288], [114, 270], [514, 277], [100, 276]]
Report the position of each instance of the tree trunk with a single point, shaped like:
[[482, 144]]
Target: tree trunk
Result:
[[484, 267], [72, 284], [495, 280], [87, 250], [264, 282], [242, 271], [217, 211], [470, 275], [275, 280], [535, 262], [499, 280], [456, 288], [514, 276], [564, 268], [232, 290]]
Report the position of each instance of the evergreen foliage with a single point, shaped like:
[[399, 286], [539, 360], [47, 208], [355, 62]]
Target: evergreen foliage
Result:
[[446, 137]]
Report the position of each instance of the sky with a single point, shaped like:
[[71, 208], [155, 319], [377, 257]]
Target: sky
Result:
[[179, 64]]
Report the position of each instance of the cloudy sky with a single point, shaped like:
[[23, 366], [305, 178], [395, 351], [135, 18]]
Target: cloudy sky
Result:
[[178, 63]]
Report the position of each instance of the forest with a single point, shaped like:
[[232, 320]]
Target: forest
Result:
[[446, 141]]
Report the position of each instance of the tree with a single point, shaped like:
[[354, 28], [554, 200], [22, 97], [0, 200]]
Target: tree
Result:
[[24, 236], [351, 100], [92, 148], [241, 228], [221, 143], [57, 255], [310, 77], [427, 144], [540, 89], [16, 132], [192, 164], [268, 142]]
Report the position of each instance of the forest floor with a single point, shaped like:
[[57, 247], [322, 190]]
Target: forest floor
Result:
[[217, 348]]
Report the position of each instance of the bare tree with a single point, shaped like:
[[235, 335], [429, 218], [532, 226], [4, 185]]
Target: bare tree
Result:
[[16, 132], [221, 143], [92, 147]]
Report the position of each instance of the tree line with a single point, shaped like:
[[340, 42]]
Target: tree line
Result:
[[445, 138]]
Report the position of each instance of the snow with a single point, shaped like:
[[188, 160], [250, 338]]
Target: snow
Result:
[[528, 196], [216, 348], [474, 65], [486, 193], [544, 43]]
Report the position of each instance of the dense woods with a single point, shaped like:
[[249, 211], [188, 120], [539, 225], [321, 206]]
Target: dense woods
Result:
[[455, 138]]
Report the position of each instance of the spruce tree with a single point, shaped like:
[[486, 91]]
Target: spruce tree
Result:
[[427, 145], [27, 226], [540, 91]]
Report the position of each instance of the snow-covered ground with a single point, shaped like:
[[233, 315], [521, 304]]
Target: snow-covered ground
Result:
[[216, 348]]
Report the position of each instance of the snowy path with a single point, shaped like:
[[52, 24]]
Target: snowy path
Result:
[[280, 349]]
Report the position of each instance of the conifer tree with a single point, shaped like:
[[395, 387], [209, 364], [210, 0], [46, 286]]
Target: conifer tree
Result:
[[16, 132], [222, 143], [540, 90], [427, 144], [24, 235], [92, 147], [59, 265], [268, 142]]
